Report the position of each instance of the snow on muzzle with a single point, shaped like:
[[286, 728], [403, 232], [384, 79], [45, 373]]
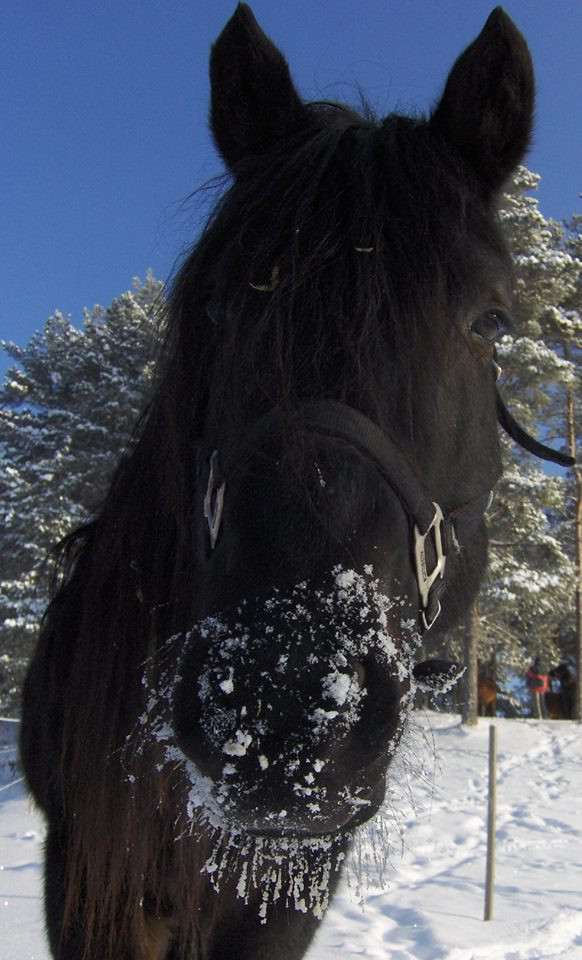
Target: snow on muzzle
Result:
[[289, 708]]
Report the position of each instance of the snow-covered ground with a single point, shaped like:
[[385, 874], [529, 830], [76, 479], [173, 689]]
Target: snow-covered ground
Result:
[[432, 908]]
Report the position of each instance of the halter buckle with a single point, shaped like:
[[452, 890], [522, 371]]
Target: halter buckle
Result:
[[214, 500], [425, 579], [427, 624]]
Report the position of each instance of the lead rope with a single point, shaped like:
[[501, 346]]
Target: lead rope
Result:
[[521, 437]]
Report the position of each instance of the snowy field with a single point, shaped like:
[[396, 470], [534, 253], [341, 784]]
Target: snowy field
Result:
[[432, 907]]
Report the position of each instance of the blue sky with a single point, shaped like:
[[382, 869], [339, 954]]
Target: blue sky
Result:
[[104, 119]]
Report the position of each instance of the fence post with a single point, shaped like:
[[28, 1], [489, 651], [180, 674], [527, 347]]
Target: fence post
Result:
[[491, 812]]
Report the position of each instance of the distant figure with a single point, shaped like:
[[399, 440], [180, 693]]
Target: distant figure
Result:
[[538, 683], [486, 696], [561, 703]]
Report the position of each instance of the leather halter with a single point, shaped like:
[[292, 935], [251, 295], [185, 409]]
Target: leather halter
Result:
[[434, 536], [444, 535]]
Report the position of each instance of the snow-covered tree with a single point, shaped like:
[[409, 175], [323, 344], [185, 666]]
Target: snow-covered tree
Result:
[[67, 410], [528, 602], [568, 326], [527, 605]]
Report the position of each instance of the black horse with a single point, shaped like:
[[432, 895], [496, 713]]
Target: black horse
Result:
[[224, 669]]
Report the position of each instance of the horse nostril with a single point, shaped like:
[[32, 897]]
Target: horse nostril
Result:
[[360, 672]]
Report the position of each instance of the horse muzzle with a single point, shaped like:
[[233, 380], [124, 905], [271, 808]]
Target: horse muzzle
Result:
[[289, 707]]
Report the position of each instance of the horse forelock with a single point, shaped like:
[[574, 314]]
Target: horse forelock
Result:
[[374, 228]]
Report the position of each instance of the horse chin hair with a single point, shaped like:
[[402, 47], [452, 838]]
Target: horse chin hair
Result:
[[302, 871], [409, 793]]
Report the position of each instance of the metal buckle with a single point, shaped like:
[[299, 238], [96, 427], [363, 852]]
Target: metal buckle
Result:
[[214, 500], [425, 579], [428, 624]]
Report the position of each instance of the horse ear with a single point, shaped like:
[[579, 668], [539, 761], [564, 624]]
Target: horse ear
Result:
[[486, 111], [253, 100]]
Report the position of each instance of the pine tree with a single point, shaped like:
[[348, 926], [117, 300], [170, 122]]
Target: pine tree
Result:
[[527, 604], [67, 410], [568, 329], [528, 601]]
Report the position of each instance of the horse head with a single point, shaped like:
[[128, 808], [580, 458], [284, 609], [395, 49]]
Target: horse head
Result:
[[354, 283]]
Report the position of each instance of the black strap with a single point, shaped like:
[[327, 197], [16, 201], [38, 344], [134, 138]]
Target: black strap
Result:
[[528, 442], [339, 421]]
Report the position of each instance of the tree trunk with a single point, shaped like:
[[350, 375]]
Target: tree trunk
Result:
[[578, 548], [469, 712]]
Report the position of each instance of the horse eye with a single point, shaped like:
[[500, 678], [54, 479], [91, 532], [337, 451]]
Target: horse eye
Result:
[[489, 325]]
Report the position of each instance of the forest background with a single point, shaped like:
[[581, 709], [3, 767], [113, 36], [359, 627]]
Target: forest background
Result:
[[73, 394]]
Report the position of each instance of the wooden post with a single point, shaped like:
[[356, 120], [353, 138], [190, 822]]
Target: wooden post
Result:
[[578, 550], [491, 812], [577, 470]]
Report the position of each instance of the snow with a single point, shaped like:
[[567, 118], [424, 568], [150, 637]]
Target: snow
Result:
[[432, 906], [336, 686], [238, 747]]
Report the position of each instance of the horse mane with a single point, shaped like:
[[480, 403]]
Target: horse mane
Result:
[[339, 211]]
